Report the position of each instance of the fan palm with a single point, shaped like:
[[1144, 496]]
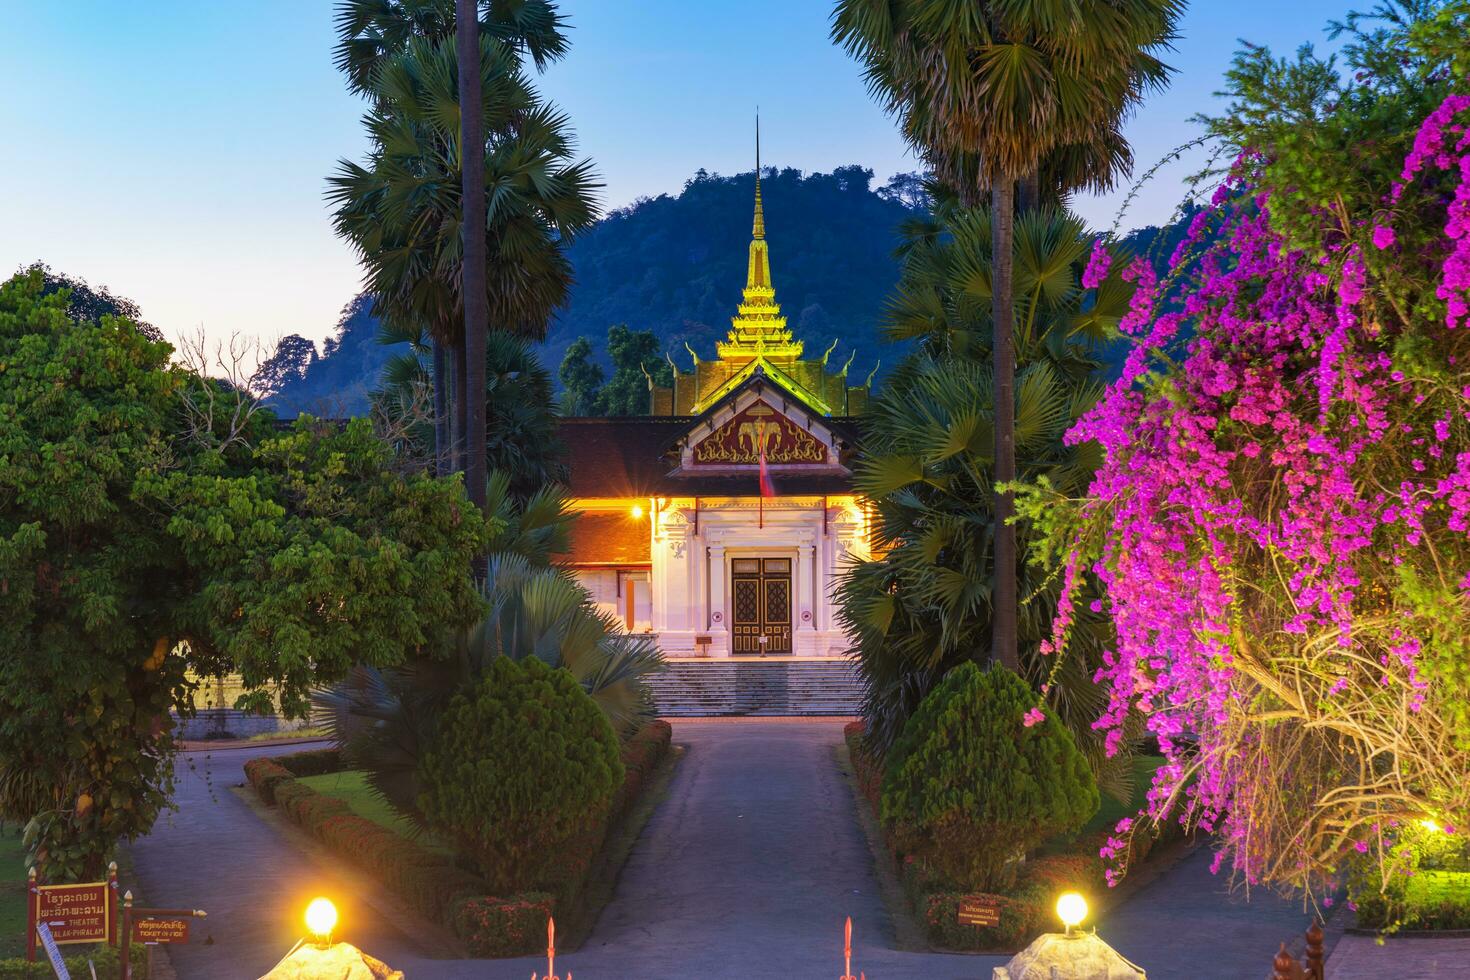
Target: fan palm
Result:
[[990, 91], [372, 32], [382, 719], [402, 209], [927, 602]]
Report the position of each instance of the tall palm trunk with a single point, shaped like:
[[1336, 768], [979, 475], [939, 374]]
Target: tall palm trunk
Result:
[[1002, 218], [457, 439], [441, 410], [476, 310]]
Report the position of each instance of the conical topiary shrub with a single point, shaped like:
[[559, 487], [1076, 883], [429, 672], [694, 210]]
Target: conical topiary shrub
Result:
[[521, 776], [970, 789]]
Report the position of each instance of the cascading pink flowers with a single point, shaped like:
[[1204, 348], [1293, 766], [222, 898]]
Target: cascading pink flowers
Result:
[[1251, 454]]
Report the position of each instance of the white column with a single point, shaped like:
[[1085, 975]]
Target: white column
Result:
[[806, 611], [717, 611]]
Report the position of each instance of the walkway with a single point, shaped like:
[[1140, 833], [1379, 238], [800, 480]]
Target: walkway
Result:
[[747, 869]]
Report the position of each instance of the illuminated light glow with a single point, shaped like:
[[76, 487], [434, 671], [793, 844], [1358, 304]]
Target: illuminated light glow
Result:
[[1431, 825], [637, 511], [321, 917], [1071, 909]]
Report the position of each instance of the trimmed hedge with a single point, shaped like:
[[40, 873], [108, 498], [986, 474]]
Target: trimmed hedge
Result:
[[431, 884], [107, 959], [509, 927]]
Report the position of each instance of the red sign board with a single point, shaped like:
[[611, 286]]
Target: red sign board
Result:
[[160, 930], [75, 913], [979, 910]]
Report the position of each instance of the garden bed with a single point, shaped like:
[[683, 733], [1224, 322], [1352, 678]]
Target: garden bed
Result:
[[13, 923], [1024, 911], [425, 875]]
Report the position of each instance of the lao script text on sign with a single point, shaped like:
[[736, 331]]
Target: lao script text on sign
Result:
[[979, 910], [75, 913], [160, 930]]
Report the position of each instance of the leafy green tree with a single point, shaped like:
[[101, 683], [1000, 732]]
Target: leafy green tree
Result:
[[635, 358], [155, 525], [383, 719], [973, 784], [87, 303], [581, 379], [990, 93], [926, 604], [289, 363]]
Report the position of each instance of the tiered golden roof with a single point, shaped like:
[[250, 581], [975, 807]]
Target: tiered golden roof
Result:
[[758, 329]]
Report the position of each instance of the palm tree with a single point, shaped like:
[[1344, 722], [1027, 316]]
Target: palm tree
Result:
[[383, 718], [402, 210], [373, 32], [989, 92], [521, 441], [472, 234], [928, 601]]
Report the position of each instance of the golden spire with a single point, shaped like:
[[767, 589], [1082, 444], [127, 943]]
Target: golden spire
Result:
[[758, 231], [759, 329]]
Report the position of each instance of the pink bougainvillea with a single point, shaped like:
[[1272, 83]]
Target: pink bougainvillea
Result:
[[1277, 501]]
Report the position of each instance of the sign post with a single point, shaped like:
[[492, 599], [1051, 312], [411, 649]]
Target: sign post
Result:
[[78, 913], [150, 927], [978, 910]]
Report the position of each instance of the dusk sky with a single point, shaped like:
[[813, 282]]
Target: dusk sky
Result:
[[176, 151]]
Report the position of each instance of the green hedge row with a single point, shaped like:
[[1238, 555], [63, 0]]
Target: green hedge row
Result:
[[429, 883], [1026, 909], [106, 959]]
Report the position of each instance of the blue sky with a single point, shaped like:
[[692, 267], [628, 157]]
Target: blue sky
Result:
[[175, 150]]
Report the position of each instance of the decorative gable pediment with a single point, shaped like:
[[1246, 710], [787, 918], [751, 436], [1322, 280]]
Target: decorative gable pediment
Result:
[[759, 416]]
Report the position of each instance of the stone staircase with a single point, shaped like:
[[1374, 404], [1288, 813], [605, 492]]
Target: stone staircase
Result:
[[695, 689]]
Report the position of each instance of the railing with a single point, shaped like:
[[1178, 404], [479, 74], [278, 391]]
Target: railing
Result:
[[1286, 967]]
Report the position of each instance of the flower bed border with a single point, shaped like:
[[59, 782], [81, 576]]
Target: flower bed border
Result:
[[432, 884]]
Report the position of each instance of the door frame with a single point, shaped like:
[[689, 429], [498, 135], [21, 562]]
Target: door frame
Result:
[[762, 578]]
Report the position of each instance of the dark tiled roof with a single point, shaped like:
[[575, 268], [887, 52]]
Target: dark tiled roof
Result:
[[632, 457], [609, 539], [619, 457]]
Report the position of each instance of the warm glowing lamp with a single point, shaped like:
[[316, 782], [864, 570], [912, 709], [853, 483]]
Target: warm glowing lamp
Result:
[[321, 919], [1071, 909], [637, 512], [1430, 825]]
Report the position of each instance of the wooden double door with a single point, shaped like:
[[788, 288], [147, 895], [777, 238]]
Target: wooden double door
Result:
[[761, 593]]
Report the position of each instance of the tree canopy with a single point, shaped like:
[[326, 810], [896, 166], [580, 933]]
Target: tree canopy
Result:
[[156, 525]]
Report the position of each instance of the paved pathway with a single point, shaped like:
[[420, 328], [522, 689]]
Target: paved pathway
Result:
[[746, 870]]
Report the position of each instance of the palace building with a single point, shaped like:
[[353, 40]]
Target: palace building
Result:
[[720, 521]]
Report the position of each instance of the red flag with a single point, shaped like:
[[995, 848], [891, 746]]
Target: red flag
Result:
[[767, 488]]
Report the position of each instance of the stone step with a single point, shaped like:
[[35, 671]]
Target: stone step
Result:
[[827, 687]]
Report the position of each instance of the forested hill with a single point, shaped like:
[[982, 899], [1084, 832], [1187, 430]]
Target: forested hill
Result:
[[675, 264]]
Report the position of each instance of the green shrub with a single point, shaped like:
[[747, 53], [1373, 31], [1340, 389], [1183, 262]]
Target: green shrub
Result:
[[504, 926], [314, 762], [105, 958], [434, 890], [969, 789], [521, 776]]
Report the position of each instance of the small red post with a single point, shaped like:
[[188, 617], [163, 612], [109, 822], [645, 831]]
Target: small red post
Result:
[[1316, 969], [847, 954], [127, 936], [33, 912], [112, 902]]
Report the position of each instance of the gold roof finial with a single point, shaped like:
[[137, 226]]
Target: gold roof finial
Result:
[[759, 229]]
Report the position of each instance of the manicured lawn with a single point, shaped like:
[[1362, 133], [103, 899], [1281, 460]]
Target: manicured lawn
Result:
[[1111, 810], [12, 893], [352, 787]]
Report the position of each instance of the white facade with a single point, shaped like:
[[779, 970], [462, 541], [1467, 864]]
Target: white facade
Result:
[[701, 548]]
